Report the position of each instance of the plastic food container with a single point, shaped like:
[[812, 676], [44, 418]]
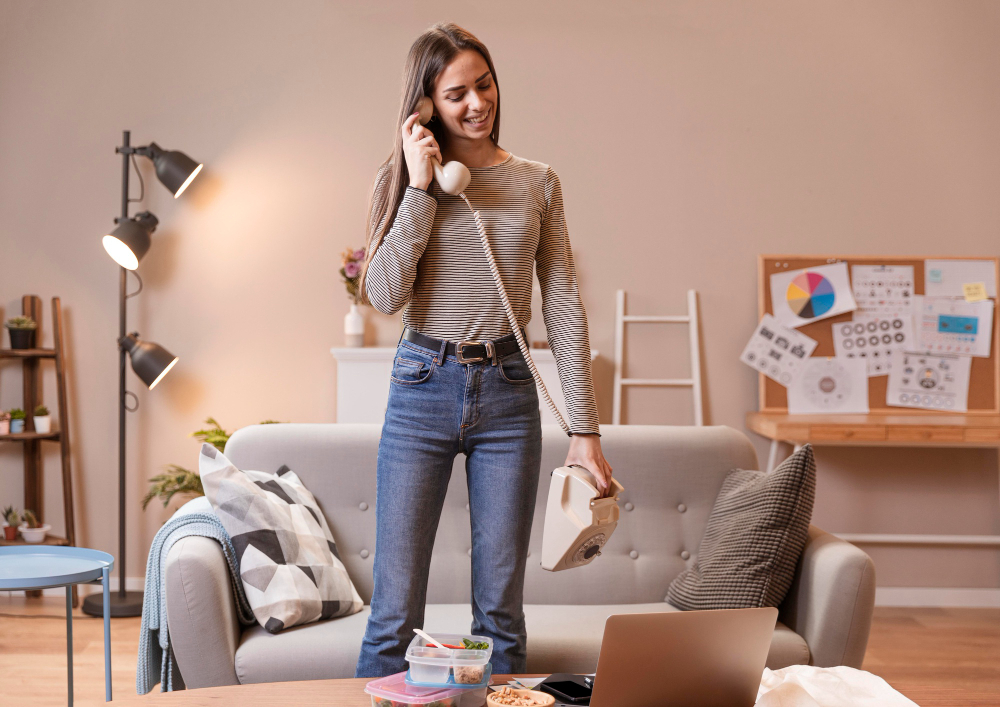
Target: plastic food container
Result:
[[429, 664], [485, 672], [392, 691]]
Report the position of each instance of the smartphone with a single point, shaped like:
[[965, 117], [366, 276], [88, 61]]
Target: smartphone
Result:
[[568, 688]]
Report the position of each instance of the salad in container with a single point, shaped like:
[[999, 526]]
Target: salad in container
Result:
[[464, 660]]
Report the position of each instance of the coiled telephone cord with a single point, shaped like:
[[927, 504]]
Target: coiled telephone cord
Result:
[[512, 319]]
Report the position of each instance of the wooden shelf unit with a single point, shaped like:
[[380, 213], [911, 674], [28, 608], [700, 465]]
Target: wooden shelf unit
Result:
[[49, 540], [31, 440]]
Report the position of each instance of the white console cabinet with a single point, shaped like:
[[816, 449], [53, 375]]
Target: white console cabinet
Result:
[[363, 382]]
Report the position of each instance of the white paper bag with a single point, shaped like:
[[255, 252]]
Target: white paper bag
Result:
[[808, 686]]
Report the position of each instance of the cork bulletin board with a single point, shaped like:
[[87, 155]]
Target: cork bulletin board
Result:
[[984, 383]]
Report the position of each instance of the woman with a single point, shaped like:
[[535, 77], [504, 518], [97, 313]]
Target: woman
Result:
[[459, 382]]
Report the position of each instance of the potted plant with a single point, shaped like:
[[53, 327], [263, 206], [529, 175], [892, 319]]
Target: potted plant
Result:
[[4, 422], [43, 421], [22, 332], [354, 322], [11, 518], [31, 529], [17, 421], [177, 479]]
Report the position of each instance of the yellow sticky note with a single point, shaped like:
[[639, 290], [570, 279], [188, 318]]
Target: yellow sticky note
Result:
[[974, 291]]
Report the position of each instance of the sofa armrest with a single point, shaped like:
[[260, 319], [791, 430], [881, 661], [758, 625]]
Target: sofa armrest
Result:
[[831, 601], [201, 613]]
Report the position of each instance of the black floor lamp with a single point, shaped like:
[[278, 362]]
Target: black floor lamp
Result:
[[127, 244]]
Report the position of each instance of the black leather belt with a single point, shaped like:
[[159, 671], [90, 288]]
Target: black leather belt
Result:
[[467, 351]]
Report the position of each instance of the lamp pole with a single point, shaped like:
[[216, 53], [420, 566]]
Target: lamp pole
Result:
[[122, 327]]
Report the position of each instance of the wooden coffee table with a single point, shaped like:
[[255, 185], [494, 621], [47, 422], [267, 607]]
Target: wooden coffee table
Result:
[[351, 693], [306, 693]]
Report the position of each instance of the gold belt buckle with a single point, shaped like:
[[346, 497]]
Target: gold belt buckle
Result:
[[463, 359]]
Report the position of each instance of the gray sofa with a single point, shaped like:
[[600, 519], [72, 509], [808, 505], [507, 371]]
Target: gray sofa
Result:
[[671, 476]]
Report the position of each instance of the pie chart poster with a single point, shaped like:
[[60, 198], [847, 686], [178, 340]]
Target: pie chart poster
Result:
[[810, 294]]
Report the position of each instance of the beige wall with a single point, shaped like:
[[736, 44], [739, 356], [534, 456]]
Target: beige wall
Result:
[[689, 136]]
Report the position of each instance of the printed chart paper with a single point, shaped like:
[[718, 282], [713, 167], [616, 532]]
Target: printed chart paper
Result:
[[953, 326], [830, 385], [883, 289], [929, 381], [777, 351], [945, 278], [810, 294], [873, 338]]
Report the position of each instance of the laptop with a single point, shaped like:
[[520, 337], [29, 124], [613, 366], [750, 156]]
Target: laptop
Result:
[[690, 658]]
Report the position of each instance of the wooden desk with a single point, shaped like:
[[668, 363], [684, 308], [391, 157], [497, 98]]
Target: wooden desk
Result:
[[882, 430], [350, 693]]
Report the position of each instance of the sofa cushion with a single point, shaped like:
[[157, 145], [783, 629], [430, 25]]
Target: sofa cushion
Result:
[[289, 565], [561, 638], [754, 538]]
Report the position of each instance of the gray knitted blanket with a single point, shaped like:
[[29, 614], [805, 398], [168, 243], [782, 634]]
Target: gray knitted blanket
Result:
[[155, 657]]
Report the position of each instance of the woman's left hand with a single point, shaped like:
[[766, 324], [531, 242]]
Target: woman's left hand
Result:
[[585, 450]]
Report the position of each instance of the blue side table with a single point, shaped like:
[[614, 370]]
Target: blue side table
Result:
[[42, 567]]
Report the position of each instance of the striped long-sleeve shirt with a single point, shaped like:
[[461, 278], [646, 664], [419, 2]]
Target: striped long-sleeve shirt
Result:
[[432, 260]]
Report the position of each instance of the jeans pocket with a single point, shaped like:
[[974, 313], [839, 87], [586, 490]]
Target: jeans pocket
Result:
[[411, 371], [514, 369]]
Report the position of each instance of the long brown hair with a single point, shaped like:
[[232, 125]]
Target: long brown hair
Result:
[[430, 54]]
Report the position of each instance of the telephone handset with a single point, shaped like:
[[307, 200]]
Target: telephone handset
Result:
[[453, 177]]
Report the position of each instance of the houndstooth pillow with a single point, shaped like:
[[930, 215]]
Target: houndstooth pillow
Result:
[[289, 564], [753, 540]]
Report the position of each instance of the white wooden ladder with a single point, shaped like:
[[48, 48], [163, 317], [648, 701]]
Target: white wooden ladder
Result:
[[691, 319]]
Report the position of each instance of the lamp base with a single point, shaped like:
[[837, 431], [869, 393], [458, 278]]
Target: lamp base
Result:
[[129, 605]]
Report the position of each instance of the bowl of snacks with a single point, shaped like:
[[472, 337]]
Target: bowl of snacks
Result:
[[507, 696]]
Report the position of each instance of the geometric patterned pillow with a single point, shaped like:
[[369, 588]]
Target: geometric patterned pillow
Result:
[[753, 540], [289, 564]]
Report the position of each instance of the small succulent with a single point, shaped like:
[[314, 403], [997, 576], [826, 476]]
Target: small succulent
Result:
[[21, 323], [30, 519], [11, 515], [4, 416], [41, 411], [17, 414]]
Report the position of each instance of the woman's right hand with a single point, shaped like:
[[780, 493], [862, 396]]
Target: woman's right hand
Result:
[[419, 149]]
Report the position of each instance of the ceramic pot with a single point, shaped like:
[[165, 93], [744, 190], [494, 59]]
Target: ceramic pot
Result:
[[9, 532], [22, 338], [34, 535], [354, 327], [43, 424], [16, 426], [4, 427]]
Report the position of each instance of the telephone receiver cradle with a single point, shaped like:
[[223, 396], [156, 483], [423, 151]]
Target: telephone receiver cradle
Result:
[[453, 177], [578, 522]]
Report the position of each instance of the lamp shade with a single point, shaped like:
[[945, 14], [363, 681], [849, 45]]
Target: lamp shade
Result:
[[173, 168], [151, 362], [130, 240]]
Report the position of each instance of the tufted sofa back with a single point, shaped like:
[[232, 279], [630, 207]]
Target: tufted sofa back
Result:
[[671, 477]]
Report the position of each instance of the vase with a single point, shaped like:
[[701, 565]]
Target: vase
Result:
[[354, 327], [22, 338]]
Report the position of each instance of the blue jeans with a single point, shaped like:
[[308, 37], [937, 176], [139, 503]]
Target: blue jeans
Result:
[[437, 408]]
